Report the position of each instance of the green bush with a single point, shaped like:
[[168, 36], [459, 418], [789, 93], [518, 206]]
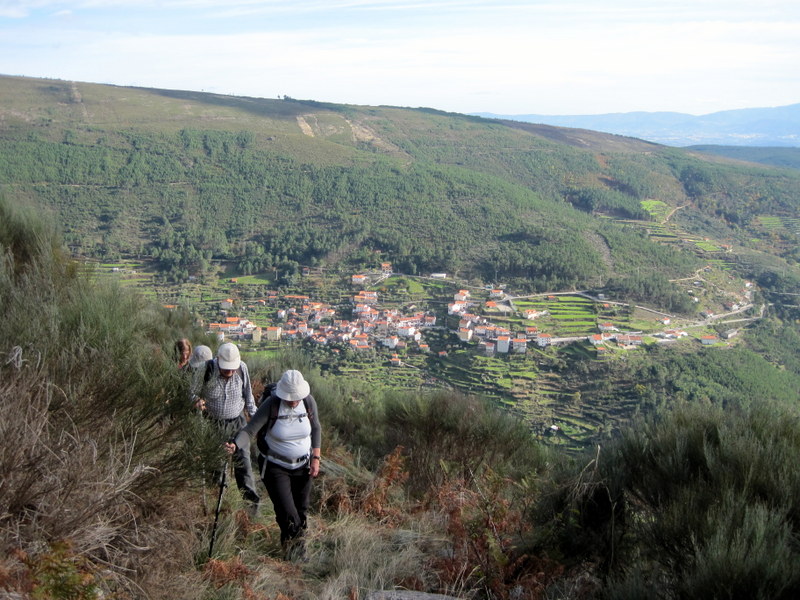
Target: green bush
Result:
[[702, 502], [93, 414]]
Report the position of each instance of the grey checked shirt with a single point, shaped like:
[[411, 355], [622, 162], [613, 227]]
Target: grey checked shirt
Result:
[[225, 398]]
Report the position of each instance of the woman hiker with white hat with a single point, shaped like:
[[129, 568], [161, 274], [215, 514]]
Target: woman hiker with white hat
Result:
[[288, 437]]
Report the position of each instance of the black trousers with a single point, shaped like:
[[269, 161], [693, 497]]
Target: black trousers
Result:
[[290, 492]]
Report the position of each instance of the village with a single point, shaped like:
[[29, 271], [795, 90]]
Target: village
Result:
[[470, 316]]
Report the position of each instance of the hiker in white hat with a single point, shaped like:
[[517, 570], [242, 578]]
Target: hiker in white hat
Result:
[[288, 434], [200, 356], [223, 392]]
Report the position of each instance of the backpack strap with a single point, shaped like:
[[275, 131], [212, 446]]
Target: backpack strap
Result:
[[275, 404], [274, 413], [209, 370]]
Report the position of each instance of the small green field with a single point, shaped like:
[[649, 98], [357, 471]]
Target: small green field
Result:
[[657, 209]]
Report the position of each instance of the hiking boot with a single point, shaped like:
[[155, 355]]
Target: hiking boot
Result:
[[253, 502], [251, 496], [295, 551]]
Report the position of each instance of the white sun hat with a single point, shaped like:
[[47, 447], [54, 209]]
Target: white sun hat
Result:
[[228, 357], [200, 355], [292, 387]]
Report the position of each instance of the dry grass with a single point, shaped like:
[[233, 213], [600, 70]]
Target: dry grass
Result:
[[68, 488]]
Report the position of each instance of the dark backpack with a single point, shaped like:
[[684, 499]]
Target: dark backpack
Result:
[[275, 403]]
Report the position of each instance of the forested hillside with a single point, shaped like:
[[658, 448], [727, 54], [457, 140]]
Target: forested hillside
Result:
[[106, 487], [673, 474], [186, 178]]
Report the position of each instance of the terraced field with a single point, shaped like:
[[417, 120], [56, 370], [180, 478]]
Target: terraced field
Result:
[[529, 384]]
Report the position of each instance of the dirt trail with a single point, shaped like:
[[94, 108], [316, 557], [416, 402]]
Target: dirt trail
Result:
[[75, 96], [304, 126], [599, 244], [672, 212]]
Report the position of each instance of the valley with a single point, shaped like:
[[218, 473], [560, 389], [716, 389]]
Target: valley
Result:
[[273, 206], [630, 308], [410, 333]]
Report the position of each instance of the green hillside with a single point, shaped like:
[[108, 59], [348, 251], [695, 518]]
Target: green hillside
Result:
[[776, 156], [650, 468], [185, 178], [107, 488]]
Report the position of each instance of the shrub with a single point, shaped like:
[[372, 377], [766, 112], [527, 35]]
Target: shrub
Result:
[[92, 414], [700, 502]]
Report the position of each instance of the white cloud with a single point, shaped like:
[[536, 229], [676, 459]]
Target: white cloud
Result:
[[514, 56]]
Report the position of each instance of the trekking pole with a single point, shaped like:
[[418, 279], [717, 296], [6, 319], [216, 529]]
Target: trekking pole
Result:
[[223, 483]]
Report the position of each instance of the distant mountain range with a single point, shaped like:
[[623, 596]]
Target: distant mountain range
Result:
[[778, 126]]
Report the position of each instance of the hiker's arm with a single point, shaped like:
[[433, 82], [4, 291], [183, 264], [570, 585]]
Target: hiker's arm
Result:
[[247, 392], [316, 429], [196, 391], [258, 420], [316, 437]]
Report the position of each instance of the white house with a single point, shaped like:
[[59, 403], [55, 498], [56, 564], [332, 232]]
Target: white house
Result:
[[456, 308], [531, 314], [503, 343], [406, 331]]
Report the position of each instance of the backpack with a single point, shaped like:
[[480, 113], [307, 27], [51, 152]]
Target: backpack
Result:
[[275, 404]]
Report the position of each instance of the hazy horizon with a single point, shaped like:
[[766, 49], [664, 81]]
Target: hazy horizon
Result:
[[466, 56]]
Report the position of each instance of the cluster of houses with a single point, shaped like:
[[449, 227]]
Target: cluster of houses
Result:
[[371, 326], [317, 322], [491, 338]]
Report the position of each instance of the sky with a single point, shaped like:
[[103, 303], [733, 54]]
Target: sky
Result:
[[509, 57]]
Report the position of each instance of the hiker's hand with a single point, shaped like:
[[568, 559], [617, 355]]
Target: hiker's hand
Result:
[[230, 448], [314, 467], [200, 404]]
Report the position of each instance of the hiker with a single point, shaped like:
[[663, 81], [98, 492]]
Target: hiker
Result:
[[288, 436], [183, 352], [197, 363], [223, 392], [200, 356]]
